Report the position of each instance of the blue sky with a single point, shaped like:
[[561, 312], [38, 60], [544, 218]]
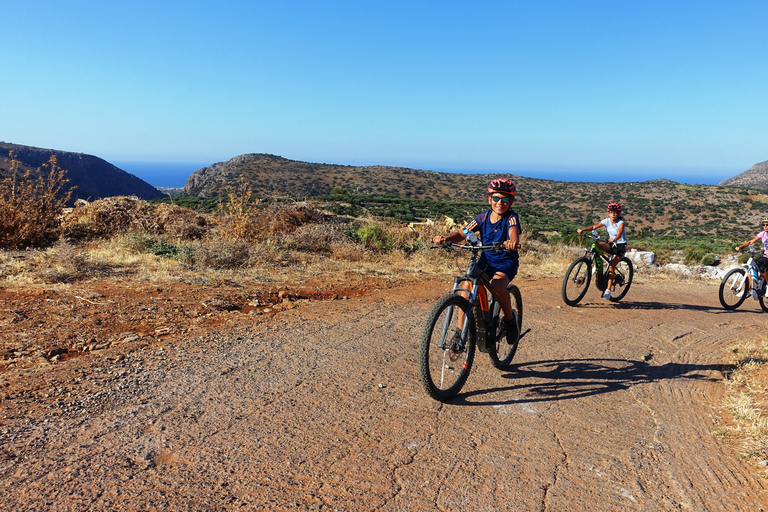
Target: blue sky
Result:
[[658, 87]]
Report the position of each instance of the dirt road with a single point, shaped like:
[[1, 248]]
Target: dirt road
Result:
[[607, 407]]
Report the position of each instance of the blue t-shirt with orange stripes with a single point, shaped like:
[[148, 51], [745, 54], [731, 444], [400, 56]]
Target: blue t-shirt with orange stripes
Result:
[[492, 232]]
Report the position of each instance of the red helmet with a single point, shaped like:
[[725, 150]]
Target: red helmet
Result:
[[614, 207], [502, 186]]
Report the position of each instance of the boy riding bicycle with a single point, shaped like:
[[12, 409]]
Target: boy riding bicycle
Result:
[[616, 244], [501, 225], [762, 261]]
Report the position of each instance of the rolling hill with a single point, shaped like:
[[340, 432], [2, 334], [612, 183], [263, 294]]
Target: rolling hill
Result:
[[652, 208]]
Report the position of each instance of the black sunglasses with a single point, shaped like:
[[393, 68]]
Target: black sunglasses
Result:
[[765, 223], [503, 199]]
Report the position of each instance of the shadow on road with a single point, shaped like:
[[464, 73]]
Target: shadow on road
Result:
[[543, 381], [653, 305]]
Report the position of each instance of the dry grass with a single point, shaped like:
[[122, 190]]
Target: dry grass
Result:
[[127, 237], [747, 401]]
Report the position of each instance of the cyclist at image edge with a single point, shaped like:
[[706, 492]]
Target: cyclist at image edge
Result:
[[499, 224], [617, 241], [762, 261]]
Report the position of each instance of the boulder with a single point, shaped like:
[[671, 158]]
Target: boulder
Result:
[[641, 258], [678, 268]]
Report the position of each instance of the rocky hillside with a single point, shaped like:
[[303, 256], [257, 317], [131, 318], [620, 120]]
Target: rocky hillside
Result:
[[657, 207], [754, 177], [94, 177]]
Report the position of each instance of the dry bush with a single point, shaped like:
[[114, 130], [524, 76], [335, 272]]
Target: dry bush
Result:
[[106, 217], [274, 220], [63, 263], [285, 218], [222, 254], [30, 209], [402, 236], [240, 212], [318, 238], [746, 399]]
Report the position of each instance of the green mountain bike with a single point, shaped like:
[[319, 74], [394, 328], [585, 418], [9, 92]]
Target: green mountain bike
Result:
[[579, 274]]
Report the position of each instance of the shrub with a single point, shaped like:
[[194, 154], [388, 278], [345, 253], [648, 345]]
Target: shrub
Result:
[[30, 209], [694, 254], [710, 259], [375, 237], [317, 238], [115, 215], [239, 213]]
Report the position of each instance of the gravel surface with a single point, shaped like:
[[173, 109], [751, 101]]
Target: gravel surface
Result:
[[203, 404]]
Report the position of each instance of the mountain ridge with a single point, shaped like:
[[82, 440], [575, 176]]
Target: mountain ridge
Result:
[[754, 177], [94, 177]]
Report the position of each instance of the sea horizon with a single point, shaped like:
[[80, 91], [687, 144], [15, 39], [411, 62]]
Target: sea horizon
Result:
[[175, 174]]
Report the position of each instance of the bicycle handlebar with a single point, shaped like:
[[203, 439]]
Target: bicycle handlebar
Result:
[[751, 249], [469, 247]]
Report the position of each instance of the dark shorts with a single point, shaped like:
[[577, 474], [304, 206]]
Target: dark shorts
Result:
[[509, 267], [762, 263], [618, 249]]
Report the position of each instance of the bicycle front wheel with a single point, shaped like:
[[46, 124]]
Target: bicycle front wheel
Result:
[[576, 281], [733, 288], [502, 352], [622, 279], [444, 362]]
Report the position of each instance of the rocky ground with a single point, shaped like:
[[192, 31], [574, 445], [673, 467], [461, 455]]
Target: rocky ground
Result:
[[216, 396]]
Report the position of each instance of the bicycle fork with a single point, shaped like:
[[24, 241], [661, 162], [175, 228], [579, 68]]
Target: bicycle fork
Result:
[[468, 314]]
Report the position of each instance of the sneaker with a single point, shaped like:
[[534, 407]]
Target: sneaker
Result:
[[512, 331], [607, 295]]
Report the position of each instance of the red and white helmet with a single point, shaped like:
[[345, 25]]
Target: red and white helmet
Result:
[[614, 207], [502, 186]]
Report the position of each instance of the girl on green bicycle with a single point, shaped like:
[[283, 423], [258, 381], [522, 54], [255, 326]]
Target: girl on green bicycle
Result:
[[762, 261], [617, 241], [501, 225]]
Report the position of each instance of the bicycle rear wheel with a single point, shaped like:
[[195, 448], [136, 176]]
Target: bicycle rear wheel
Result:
[[443, 363], [733, 288], [622, 279], [576, 281], [501, 351]]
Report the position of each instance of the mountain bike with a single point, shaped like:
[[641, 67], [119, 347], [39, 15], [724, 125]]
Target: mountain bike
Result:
[[579, 274], [459, 322], [735, 285]]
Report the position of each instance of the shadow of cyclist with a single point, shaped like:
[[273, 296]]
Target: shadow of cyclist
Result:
[[544, 381], [653, 305]]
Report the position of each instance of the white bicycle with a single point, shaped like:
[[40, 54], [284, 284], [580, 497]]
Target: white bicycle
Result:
[[735, 285]]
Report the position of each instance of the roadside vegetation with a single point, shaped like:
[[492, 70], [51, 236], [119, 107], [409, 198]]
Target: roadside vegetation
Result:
[[747, 401], [243, 238]]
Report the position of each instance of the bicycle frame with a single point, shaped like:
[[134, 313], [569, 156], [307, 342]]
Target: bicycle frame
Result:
[[593, 251], [752, 273], [480, 305]]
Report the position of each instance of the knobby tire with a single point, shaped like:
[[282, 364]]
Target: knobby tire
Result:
[[501, 352], [729, 297], [443, 371], [576, 281], [625, 272]]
